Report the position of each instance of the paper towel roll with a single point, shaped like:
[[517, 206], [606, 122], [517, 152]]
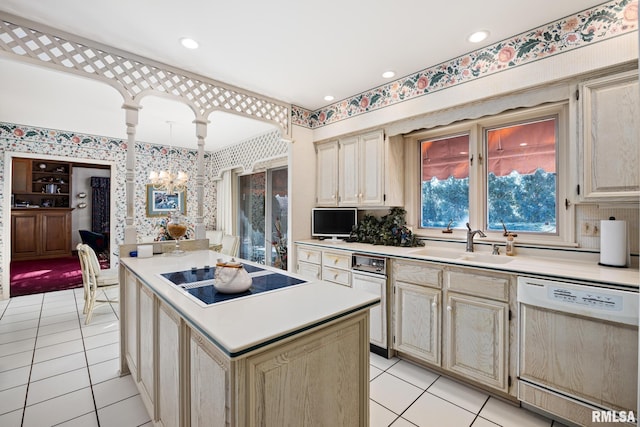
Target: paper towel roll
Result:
[[614, 250]]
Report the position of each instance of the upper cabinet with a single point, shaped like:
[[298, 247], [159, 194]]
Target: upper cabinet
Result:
[[41, 183], [362, 171], [610, 136]]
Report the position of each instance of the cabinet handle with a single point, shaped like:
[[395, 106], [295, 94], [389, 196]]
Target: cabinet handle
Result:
[[449, 308], [335, 276], [335, 261], [434, 304]]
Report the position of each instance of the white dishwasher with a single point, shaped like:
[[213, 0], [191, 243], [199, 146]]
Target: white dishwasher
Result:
[[578, 348], [368, 273]]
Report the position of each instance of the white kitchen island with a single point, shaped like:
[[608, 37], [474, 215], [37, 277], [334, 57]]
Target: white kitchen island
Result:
[[294, 356]]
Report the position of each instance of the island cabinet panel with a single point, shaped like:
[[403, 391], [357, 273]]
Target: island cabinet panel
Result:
[[285, 383], [146, 347], [168, 366], [316, 376], [131, 329], [208, 384]]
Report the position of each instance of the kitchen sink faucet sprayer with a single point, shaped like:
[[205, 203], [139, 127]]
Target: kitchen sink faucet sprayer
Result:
[[470, 235]]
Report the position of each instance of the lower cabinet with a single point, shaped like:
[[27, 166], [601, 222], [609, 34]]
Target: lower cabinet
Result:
[[417, 310], [475, 339], [417, 321], [456, 319], [40, 233]]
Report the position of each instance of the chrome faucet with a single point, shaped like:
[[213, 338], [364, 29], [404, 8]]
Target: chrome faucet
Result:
[[471, 235]]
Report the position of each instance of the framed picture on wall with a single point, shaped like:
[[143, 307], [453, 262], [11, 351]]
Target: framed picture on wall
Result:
[[159, 203]]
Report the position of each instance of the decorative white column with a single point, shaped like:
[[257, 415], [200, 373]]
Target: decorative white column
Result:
[[201, 133], [131, 112]]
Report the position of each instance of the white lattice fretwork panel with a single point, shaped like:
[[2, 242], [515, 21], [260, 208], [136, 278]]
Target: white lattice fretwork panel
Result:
[[132, 77]]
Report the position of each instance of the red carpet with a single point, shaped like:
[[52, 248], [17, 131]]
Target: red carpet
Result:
[[45, 275]]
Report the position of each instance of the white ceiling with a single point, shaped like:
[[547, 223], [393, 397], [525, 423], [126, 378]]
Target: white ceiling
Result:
[[291, 50]]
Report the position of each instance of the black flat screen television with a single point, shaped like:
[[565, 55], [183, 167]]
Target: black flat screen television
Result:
[[333, 222]]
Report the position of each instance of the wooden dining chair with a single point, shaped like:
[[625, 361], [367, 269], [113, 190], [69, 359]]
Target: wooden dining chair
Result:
[[95, 280]]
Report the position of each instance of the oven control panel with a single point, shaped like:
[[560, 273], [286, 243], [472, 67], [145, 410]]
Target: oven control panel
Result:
[[369, 264], [588, 298]]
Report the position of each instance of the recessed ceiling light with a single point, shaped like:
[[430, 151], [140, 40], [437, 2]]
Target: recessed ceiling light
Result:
[[388, 74], [189, 43], [328, 98], [478, 36]]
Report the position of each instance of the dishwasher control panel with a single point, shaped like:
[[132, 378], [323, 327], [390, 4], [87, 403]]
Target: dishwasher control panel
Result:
[[592, 299]]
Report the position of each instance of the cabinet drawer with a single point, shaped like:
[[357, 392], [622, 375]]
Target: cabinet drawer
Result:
[[480, 285], [336, 275], [309, 270], [417, 273], [309, 255], [336, 260]]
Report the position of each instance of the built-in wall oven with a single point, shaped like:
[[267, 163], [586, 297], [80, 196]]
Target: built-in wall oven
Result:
[[369, 273], [578, 349]]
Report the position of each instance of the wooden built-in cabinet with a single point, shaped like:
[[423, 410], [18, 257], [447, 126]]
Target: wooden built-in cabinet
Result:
[[417, 295], [368, 171], [41, 183], [40, 233], [456, 319], [476, 326], [610, 138]]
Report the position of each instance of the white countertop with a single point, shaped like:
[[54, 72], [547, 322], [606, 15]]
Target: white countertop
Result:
[[241, 324], [563, 266]]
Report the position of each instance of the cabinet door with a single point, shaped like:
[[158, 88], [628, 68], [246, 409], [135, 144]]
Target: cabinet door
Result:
[[377, 314], [371, 171], [309, 270], [327, 174], [147, 350], [55, 233], [611, 138], [168, 369], [131, 314], [208, 385], [25, 235], [349, 185], [21, 176], [475, 339], [417, 321]]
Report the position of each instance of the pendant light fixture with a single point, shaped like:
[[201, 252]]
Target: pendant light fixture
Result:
[[168, 180]]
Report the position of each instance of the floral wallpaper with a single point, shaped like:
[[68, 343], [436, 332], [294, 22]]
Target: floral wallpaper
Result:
[[51, 142], [590, 26]]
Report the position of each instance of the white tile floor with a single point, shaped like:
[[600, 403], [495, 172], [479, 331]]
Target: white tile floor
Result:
[[55, 370]]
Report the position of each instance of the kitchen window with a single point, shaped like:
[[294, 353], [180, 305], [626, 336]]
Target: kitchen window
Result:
[[495, 173]]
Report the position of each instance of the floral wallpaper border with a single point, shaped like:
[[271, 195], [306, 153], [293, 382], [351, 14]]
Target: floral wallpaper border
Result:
[[29, 139], [587, 27]]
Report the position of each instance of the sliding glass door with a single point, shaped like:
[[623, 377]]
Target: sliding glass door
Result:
[[262, 217]]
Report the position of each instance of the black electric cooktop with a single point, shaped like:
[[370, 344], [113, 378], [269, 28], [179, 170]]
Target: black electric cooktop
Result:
[[198, 282]]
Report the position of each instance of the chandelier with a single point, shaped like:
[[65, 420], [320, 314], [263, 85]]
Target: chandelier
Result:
[[169, 181]]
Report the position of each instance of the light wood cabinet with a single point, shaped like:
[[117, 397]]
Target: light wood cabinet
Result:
[[168, 390], [610, 138], [417, 310], [146, 349], [368, 171], [40, 233], [309, 262], [417, 321], [476, 326], [327, 174], [336, 267], [475, 339]]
